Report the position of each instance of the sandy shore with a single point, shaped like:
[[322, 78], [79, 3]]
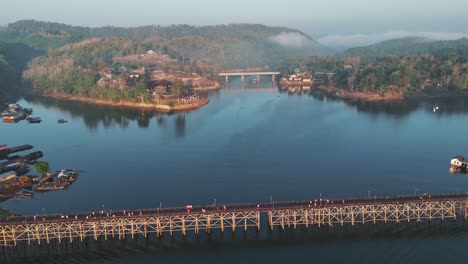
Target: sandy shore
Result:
[[154, 106]]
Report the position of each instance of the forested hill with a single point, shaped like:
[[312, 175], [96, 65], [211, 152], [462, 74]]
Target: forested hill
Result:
[[13, 60], [229, 46], [405, 46]]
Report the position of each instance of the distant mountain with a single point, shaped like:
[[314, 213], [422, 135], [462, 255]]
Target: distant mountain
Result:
[[405, 46], [228, 46]]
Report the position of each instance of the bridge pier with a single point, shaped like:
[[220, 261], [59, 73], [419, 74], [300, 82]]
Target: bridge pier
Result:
[[242, 80], [258, 80], [227, 80]]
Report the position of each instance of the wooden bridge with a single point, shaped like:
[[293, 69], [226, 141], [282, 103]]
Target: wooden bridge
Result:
[[311, 213]]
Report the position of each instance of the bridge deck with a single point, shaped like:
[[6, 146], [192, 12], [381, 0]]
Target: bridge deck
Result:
[[281, 214], [247, 73]]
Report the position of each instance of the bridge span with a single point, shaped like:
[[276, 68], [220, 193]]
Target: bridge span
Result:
[[242, 74], [196, 219]]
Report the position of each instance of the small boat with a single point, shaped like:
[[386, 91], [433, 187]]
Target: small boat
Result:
[[34, 120], [458, 162], [64, 179], [62, 121], [67, 174]]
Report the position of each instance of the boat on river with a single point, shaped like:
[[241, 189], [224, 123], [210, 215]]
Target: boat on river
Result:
[[34, 120], [61, 180], [459, 162]]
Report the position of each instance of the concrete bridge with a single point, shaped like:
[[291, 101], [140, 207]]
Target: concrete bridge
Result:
[[242, 74], [195, 219]]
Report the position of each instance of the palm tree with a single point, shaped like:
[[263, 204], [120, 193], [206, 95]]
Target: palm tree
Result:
[[42, 167]]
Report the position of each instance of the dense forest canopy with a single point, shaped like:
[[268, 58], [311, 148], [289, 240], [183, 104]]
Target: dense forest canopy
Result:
[[436, 72], [229, 46]]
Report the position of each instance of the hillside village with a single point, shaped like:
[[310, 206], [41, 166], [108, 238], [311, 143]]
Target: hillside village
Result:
[[159, 73]]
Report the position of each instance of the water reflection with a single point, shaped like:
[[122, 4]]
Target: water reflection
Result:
[[397, 108], [93, 115], [458, 171], [180, 125]]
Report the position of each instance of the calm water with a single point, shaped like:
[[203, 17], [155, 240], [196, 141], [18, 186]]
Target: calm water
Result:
[[246, 146]]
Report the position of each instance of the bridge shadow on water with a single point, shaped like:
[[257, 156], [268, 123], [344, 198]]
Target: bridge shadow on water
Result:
[[112, 249]]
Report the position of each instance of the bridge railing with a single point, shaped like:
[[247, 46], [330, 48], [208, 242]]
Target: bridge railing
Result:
[[241, 207]]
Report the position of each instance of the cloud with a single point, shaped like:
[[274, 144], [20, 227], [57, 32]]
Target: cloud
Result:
[[356, 40], [291, 39]]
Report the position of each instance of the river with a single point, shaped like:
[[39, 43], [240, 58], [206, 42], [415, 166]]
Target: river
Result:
[[252, 145]]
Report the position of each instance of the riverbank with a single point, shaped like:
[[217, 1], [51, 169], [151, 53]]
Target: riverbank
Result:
[[208, 89], [177, 107], [183, 107], [376, 97]]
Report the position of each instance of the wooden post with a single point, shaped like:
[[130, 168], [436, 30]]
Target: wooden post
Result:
[[39, 237], [4, 236], [222, 222], [13, 235], [69, 232], [385, 213], [319, 217], [374, 212], [295, 219], [158, 227], [454, 211], [363, 215], [418, 212], [81, 232], [397, 212], [170, 226], [105, 230], [183, 226], [258, 221], [409, 212], [430, 211], [233, 222], [270, 219], [282, 220], [94, 231]]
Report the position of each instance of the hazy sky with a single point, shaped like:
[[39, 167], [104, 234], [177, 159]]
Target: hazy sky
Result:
[[315, 17]]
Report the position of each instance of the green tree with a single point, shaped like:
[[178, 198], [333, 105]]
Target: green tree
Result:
[[41, 167], [178, 87]]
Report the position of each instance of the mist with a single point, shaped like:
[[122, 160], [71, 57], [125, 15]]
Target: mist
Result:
[[342, 42], [291, 39]]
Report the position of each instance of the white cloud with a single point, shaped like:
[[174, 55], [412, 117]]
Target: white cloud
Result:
[[356, 40], [291, 39]]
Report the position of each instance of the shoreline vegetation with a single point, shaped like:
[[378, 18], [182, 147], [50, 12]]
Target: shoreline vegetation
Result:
[[161, 107], [376, 97]]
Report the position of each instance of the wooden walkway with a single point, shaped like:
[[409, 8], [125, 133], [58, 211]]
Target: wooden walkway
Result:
[[224, 218]]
